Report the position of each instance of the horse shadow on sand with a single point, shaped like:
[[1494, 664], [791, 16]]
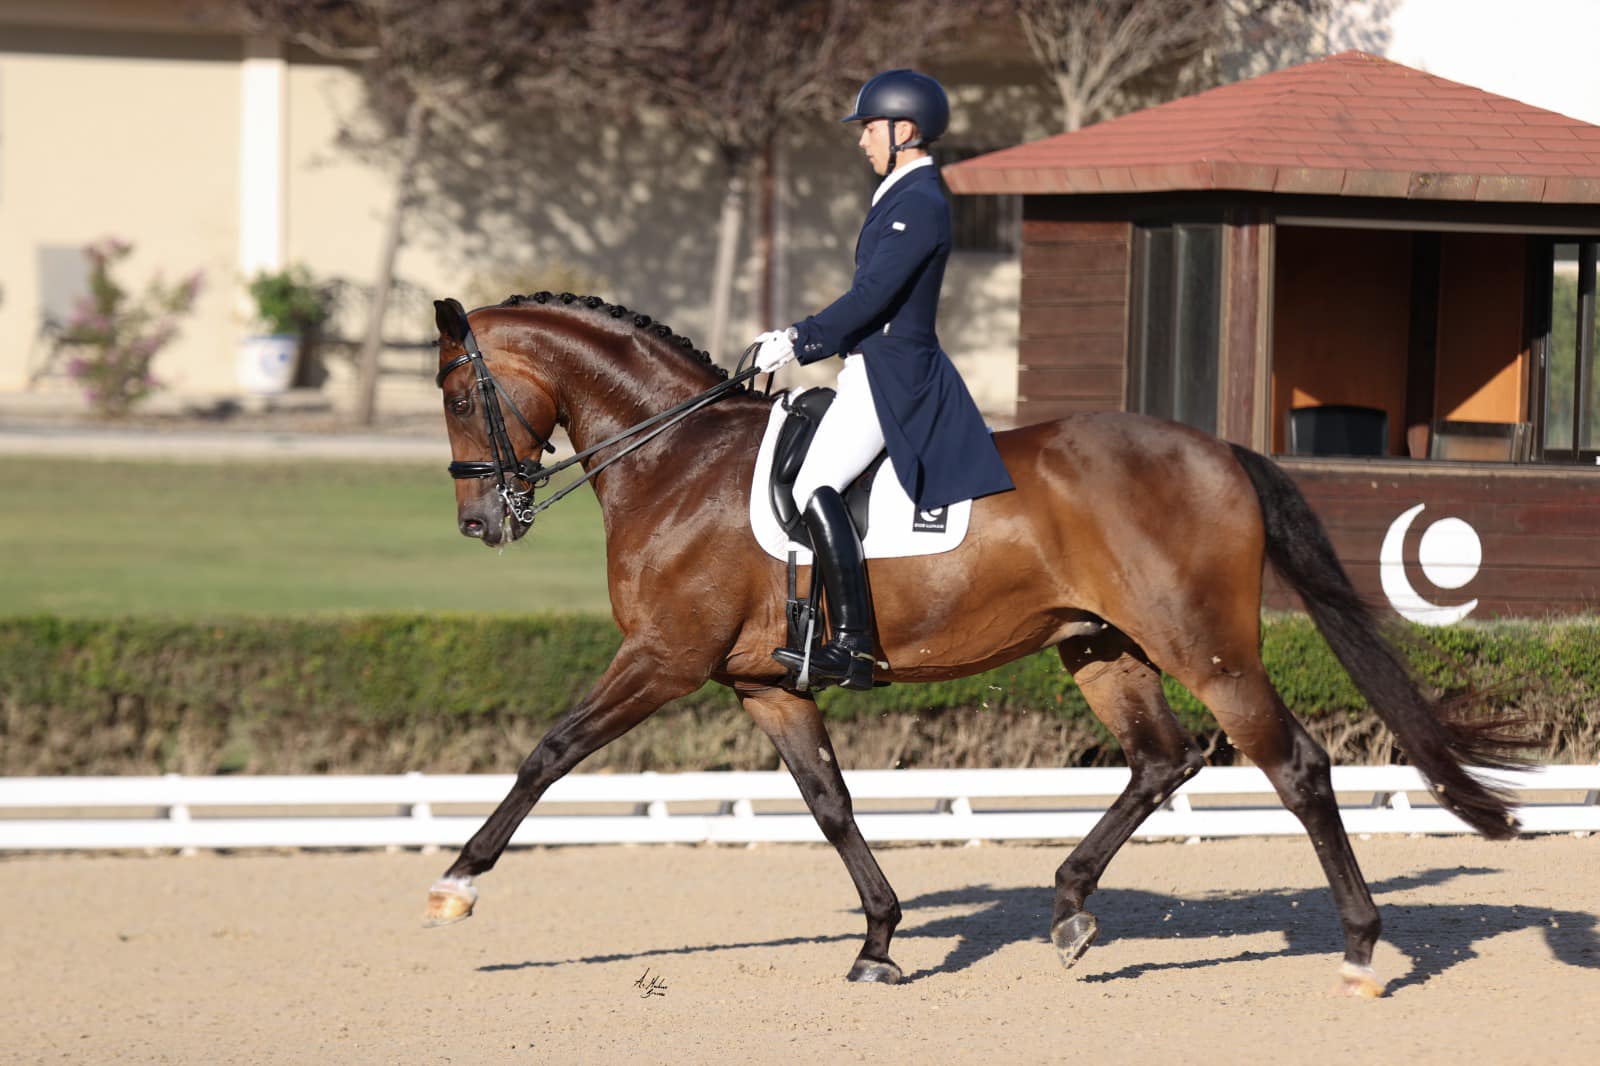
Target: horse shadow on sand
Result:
[[1435, 936]]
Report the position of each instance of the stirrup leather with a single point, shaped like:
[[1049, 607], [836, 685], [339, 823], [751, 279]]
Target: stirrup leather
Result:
[[847, 659]]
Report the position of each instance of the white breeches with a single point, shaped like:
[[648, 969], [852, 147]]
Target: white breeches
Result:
[[848, 438]]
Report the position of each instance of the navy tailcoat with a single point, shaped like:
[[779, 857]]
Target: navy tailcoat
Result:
[[941, 448]]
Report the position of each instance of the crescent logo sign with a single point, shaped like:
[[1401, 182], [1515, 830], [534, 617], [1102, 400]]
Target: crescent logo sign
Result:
[[1450, 553]]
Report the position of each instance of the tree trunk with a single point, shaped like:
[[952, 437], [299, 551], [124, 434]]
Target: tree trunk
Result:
[[1071, 105], [405, 185], [766, 237], [727, 246]]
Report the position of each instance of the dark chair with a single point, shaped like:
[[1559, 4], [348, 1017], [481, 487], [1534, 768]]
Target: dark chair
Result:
[[1338, 429], [1489, 442]]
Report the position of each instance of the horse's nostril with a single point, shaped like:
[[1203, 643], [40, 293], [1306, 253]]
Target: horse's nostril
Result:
[[472, 527]]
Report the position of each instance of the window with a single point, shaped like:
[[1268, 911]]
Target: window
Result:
[[1173, 369], [981, 223], [63, 273], [1570, 393], [1438, 329]]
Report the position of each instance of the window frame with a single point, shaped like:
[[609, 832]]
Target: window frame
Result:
[[1189, 331], [1538, 300], [1542, 302]]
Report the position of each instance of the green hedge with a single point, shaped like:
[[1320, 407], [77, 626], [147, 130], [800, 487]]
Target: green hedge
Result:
[[381, 672], [1513, 663], [380, 667]]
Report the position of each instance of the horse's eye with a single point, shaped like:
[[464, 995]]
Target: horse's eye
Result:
[[460, 405]]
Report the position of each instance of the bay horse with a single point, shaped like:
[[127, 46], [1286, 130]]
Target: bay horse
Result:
[[1131, 545]]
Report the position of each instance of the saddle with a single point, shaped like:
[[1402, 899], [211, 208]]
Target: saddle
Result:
[[898, 529], [799, 429]]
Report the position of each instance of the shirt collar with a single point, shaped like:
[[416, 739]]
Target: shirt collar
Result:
[[894, 176]]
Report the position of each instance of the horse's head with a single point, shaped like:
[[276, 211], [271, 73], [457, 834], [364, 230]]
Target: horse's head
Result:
[[499, 425]]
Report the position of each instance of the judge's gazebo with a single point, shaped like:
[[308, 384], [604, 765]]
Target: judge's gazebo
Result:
[[1383, 278]]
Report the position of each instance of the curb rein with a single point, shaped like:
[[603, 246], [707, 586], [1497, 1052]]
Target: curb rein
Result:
[[518, 479]]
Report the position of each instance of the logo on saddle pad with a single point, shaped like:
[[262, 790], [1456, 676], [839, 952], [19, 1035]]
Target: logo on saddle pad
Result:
[[895, 528]]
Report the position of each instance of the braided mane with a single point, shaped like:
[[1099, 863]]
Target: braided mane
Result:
[[617, 311]]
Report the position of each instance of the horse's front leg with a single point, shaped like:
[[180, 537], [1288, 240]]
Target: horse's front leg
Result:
[[795, 726], [637, 682]]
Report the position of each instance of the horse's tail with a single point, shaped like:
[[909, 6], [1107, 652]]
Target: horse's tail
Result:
[[1441, 748]]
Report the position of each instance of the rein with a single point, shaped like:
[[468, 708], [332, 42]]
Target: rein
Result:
[[519, 479]]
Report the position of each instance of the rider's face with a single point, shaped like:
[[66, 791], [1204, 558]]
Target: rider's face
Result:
[[874, 141]]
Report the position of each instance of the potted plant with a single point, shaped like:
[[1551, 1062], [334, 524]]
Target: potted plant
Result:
[[291, 309]]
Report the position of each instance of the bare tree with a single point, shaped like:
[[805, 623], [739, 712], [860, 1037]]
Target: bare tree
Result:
[[1292, 33], [431, 69], [737, 74], [1099, 53]]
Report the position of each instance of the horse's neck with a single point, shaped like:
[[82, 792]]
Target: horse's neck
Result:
[[616, 392], [619, 390], [689, 461]]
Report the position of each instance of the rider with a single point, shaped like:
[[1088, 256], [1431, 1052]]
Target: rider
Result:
[[897, 387]]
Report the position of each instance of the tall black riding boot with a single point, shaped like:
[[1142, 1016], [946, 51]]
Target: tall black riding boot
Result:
[[846, 659]]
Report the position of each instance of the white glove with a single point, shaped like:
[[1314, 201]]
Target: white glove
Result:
[[777, 348]]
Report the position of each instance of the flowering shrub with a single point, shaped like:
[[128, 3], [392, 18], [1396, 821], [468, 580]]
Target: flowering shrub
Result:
[[113, 337]]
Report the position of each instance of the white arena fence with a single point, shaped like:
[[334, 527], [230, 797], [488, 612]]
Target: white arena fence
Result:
[[427, 810]]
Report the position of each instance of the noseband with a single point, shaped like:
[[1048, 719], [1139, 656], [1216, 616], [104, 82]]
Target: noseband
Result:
[[517, 478]]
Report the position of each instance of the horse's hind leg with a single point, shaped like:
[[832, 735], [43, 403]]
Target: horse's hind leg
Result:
[[1124, 691], [1249, 708], [795, 726]]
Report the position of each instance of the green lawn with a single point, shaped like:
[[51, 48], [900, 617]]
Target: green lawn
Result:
[[84, 538]]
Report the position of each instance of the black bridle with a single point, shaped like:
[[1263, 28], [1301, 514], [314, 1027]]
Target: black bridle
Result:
[[518, 479]]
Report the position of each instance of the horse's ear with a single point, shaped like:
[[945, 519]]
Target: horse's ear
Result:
[[451, 318]]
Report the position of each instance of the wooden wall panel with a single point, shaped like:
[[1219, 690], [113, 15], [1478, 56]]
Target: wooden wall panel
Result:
[[1083, 257], [1082, 383], [1080, 349], [1046, 290], [1071, 320], [1243, 355], [1481, 357], [1538, 528], [1051, 220], [1073, 345]]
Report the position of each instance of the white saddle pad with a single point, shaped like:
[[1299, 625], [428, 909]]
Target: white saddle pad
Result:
[[895, 528]]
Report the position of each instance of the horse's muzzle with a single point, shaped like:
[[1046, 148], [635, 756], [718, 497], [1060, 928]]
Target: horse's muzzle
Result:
[[491, 523], [484, 518]]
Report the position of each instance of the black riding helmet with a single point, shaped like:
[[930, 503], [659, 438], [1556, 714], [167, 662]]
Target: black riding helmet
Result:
[[904, 94]]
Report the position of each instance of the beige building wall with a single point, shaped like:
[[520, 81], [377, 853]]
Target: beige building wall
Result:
[[125, 134], [111, 129]]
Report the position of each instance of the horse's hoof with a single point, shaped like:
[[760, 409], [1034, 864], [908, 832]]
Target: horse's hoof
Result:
[[1072, 936], [450, 900], [1359, 982], [881, 972]]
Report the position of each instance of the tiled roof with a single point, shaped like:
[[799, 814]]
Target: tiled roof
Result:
[[1352, 124]]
